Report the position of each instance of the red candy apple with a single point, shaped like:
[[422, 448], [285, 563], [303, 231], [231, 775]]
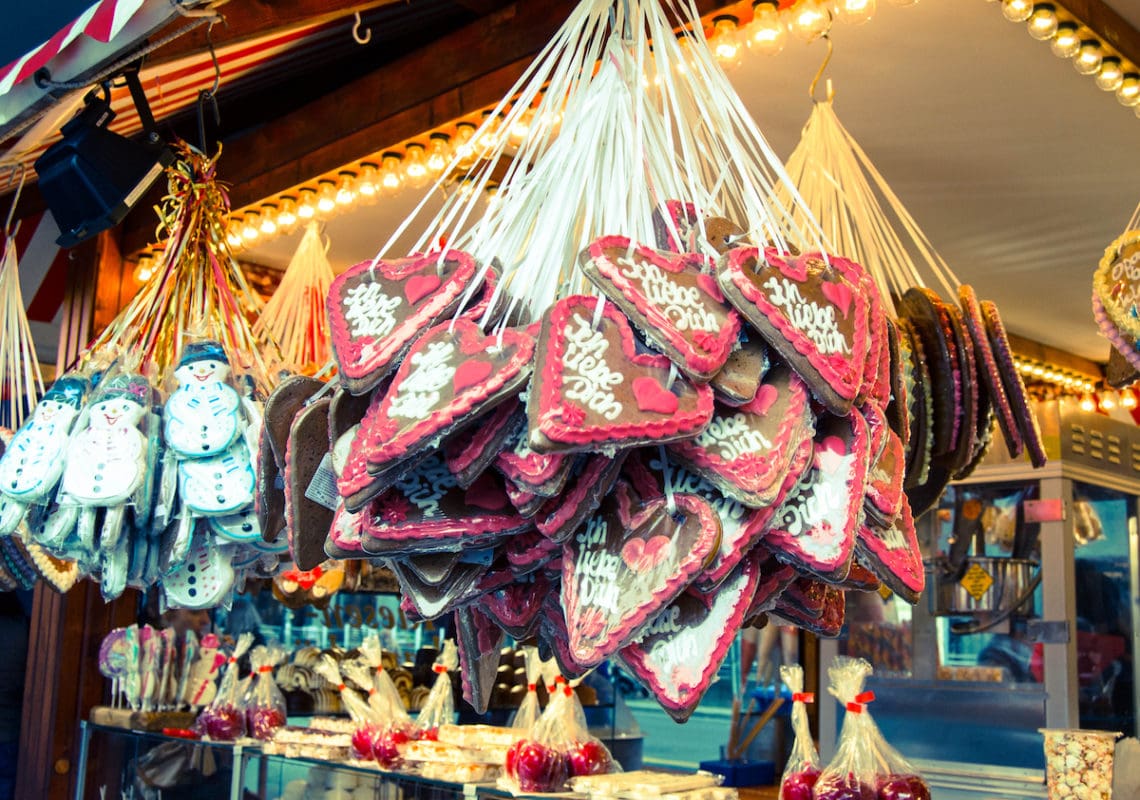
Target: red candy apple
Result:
[[589, 758], [363, 740], [224, 723], [386, 748], [263, 722], [536, 767], [836, 787], [903, 787], [798, 785]]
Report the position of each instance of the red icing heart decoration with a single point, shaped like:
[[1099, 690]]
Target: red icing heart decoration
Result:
[[607, 601], [815, 527], [469, 373], [894, 556], [810, 311], [652, 396], [679, 654], [423, 403], [662, 295], [582, 396], [377, 311], [420, 286], [745, 452]]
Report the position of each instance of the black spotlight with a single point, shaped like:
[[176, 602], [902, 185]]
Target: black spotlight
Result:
[[92, 177]]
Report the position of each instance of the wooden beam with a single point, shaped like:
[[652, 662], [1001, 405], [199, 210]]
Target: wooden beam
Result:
[[1109, 26], [482, 7], [1061, 359]]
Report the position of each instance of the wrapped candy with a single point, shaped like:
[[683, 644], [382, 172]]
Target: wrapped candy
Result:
[[439, 707], [386, 697], [802, 770], [895, 778], [851, 773], [528, 710], [223, 719], [540, 761], [367, 744], [265, 709], [200, 689], [586, 755]]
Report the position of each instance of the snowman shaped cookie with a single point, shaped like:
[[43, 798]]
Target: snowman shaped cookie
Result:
[[204, 414], [33, 461]]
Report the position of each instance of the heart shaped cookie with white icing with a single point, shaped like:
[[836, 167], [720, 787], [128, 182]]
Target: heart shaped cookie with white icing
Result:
[[628, 562], [745, 452], [894, 556], [377, 309], [815, 527], [451, 375], [593, 390], [680, 652], [673, 298], [812, 312], [887, 462], [739, 378]]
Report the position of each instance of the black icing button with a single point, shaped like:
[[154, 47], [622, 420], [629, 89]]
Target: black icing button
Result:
[[221, 498], [190, 567], [192, 592]]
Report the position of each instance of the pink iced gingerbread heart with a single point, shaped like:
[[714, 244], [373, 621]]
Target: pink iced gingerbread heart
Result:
[[592, 389], [811, 311], [892, 553], [627, 563], [376, 310]]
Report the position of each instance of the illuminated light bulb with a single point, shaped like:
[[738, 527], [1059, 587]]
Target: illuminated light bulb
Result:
[[1088, 57], [145, 268], [367, 185], [1108, 401], [520, 128], [1128, 93], [1017, 10], [724, 41], [809, 19], [465, 143], [251, 229], [1066, 42], [1128, 399], [767, 33], [326, 196], [466, 186], [1037, 371], [287, 215], [234, 238], [268, 225], [307, 203], [345, 188], [1111, 74], [1089, 387], [491, 130], [415, 170], [856, 12], [1043, 22], [391, 173], [439, 153], [1087, 402]]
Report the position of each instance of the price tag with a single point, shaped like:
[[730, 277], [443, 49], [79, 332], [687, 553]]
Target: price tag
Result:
[[322, 488], [976, 581]]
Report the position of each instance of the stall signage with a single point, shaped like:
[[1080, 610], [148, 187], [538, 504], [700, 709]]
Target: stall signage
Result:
[[976, 581]]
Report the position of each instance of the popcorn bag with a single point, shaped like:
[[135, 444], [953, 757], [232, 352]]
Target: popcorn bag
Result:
[[803, 767], [1079, 764], [265, 709], [223, 719], [528, 711], [439, 707], [851, 773]]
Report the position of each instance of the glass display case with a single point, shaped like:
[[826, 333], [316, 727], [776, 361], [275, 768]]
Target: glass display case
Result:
[[1029, 619]]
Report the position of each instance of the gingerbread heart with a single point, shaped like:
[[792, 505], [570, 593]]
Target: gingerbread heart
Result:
[[591, 480], [468, 458], [542, 474], [829, 622], [738, 379], [627, 563], [679, 654], [921, 310], [432, 602], [810, 311], [377, 309], [887, 462], [815, 527], [516, 606], [307, 520], [898, 404], [554, 641], [529, 550], [427, 511], [775, 578], [671, 297], [894, 556], [451, 375], [1014, 388], [281, 408], [433, 568], [920, 450], [479, 641], [745, 452], [876, 343], [1116, 284], [593, 390], [678, 229], [988, 369]]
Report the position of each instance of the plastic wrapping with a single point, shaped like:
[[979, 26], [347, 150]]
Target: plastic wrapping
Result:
[[528, 710], [802, 769], [366, 737], [439, 707], [223, 719], [851, 773], [538, 762], [895, 778], [265, 711], [386, 699], [586, 754]]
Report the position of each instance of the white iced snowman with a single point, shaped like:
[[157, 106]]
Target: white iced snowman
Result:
[[204, 414], [220, 485], [33, 461], [106, 461]]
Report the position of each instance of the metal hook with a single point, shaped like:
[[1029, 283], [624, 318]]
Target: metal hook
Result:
[[357, 36], [209, 95], [819, 74]]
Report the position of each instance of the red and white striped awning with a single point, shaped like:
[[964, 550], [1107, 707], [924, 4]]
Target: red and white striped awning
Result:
[[101, 22]]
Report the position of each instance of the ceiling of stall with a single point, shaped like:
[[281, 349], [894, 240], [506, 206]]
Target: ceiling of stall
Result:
[[1018, 169]]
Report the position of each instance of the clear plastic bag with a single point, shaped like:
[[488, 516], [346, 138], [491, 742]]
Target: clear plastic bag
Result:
[[439, 707], [851, 773], [895, 778], [265, 709], [369, 727], [223, 719], [386, 700], [528, 711], [803, 767], [586, 754], [386, 733], [538, 762]]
